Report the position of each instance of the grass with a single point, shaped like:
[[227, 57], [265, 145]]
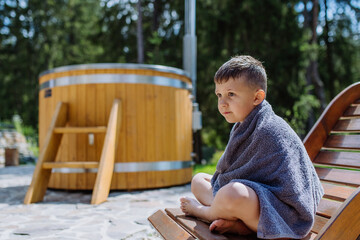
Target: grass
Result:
[[210, 167]]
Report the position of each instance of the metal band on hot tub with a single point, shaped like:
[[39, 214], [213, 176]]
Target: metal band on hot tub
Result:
[[159, 68], [115, 78], [126, 167]]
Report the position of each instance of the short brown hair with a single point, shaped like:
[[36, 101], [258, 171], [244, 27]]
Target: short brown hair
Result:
[[247, 66]]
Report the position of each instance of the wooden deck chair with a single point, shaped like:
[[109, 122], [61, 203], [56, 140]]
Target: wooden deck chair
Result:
[[333, 145]]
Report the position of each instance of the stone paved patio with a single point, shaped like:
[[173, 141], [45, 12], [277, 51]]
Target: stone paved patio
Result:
[[68, 215]]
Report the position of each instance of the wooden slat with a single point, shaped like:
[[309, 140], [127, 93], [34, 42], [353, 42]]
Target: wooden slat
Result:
[[343, 142], [150, 123], [91, 99], [352, 111], [130, 118], [48, 153], [99, 129], [310, 236], [100, 119], [50, 165], [344, 159], [316, 137], [345, 222], [81, 139], [167, 227], [347, 177], [347, 125], [336, 191], [74, 139], [199, 228], [120, 179], [142, 178], [107, 160], [319, 223], [327, 207]]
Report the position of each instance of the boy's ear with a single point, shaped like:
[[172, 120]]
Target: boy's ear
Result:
[[259, 97]]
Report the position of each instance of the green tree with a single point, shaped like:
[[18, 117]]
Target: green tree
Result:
[[339, 54], [161, 27], [37, 35], [267, 30]]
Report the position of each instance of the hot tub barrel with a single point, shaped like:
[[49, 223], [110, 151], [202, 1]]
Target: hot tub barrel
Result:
[[155, 143]]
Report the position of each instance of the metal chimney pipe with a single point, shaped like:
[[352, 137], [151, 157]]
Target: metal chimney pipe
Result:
[[189, 43], [189, 63]]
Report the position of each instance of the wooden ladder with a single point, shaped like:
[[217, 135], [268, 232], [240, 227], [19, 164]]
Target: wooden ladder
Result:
[[46, 161]]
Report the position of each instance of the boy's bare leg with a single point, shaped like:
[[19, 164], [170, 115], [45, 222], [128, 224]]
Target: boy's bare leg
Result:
[[234, 202], [231, 226], [201, 188]]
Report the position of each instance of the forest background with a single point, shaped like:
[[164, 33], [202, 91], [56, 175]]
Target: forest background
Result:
[[310, 49]]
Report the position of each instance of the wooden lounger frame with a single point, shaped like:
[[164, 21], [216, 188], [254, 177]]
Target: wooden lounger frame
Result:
[[333, 145]]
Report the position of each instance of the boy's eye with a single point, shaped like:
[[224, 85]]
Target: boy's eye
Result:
[[218, 95], [230, 94]]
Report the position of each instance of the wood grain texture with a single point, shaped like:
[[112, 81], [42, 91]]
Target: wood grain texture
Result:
[[345, 222], [41, 176], [347, 126], [107, 160], [156, 127], [346, 142], [347, 177], [337, 192], [317, 136], [341, 159], [327, 207], [199, 228], [319, 224], [98, 129], [86, 165], [353, 110], [167, 227]]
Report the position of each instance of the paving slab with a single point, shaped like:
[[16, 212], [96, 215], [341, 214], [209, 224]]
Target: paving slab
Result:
[[69, 214]]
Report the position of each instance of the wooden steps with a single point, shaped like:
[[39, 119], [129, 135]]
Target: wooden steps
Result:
[[340, 176], [334, 147], [336, 191], [340, 159], [167, 227], [87, 165], [46, 161], [63, 130], [179, 226]]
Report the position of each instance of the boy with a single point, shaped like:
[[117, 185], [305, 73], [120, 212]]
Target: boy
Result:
[[264, 182]]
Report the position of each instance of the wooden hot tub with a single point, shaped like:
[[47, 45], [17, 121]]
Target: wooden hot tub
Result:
[[155, 143]]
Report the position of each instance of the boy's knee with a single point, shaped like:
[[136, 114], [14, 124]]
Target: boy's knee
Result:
[[234, 194], [198, 179], [197, 176]]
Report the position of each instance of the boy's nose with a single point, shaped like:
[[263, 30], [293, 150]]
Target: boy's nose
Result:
[[222, 102]]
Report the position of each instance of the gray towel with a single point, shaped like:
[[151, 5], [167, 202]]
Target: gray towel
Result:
[[265, 154]]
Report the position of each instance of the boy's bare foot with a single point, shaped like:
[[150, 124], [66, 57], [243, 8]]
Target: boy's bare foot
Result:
[[190, 206], [230, 226]]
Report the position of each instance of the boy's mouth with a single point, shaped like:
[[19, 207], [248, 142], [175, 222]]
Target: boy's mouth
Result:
[[225, 113]]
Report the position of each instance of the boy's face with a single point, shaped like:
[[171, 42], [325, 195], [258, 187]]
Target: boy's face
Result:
[[235, 99]]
